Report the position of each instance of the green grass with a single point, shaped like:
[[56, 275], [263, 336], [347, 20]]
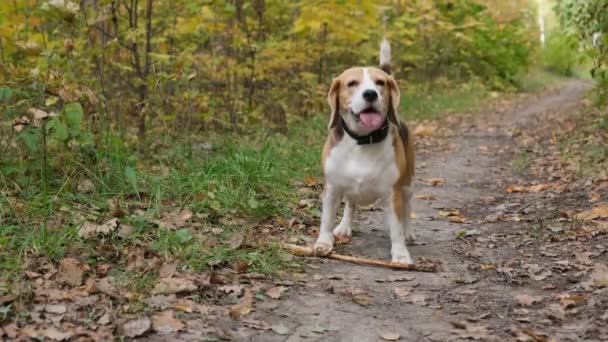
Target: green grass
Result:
[[538, 78], [425, 103], [522, 161]]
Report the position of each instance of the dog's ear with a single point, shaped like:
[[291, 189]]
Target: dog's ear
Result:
[[394, 101], [333, 99]]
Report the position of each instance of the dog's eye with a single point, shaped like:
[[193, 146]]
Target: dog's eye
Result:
[[353, 83], [380, 83]]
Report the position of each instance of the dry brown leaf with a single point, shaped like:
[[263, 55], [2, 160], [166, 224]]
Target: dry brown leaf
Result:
[[584, 258], [425, 130], [434, 181], [600, 211], [526, 300], [515, 188], [174, 285], [237, 289], [342, 239], [54, 334], [71, 271], [89, 230], [276, 292], [402, 292], [57, 309], [540, 187], [390, 336], [85, 186], [446, 213], [457, 219], [244, 307], [37, 114], [417, 299], [470, 331], [427, 197], [136, 327], [311, 180], [167, 270], [236, 241], [165, 323]]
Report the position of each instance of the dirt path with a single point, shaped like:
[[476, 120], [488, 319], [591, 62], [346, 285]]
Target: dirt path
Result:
[[344, 302]]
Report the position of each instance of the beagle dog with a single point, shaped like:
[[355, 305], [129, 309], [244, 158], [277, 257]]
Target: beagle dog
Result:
[[368, 156]]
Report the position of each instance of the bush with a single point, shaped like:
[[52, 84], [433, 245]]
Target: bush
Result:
[[561, 53]]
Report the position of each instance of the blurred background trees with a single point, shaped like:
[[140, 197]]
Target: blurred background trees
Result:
[[141, 65]]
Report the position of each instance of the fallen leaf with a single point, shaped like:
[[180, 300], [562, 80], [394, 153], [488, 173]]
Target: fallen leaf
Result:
[[584, 258], [105, 319], [457, 219], [54, 334], [515, 188], [71, 271], [470, 331], [311, 180], [85, 186], [237, 289], [280, 329], [427, 197], [236, 241], [136, 327], [540, 187], [402, 292], [55, 308], [423, 129], [526, 300], [89, 230], [434, 181], [276, 292], [447, 213], [37, 114], [389, 336], [417, 299], [165, 323], [600, 211], [342, 239], [167, 270], [174, 285], [244, 307]]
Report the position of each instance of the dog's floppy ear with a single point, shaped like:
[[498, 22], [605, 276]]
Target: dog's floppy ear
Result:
[[334, 103], [394, 101]]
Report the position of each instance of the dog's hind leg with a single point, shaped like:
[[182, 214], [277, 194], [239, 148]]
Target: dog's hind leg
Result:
[[344, 229]]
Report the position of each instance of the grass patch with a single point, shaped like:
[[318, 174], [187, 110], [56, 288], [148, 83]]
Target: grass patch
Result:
[[428, 103], [522, 161], [539, 78]]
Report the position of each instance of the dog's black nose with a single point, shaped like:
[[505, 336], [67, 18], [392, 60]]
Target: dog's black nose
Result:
[[370, 95]]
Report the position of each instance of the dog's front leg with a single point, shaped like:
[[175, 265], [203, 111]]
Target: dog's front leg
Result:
[[331, 199], [394, 217]]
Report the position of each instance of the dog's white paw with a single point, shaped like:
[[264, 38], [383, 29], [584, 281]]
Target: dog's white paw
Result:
[[343, 234], [401, 255], [323, 246]]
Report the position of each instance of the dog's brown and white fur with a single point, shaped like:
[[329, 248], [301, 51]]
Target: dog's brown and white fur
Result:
[[364, 174]]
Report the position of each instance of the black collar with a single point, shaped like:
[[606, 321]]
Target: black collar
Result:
[[373, 137]]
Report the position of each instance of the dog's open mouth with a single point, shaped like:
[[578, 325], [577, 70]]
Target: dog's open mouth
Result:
[[370, 118]]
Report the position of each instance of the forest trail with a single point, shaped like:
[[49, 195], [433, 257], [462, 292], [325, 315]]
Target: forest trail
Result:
[[345, 302]]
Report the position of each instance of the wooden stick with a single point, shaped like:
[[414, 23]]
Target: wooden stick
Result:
[[307, 251]]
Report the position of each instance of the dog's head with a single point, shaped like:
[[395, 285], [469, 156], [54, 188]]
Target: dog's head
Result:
[[365, 98]]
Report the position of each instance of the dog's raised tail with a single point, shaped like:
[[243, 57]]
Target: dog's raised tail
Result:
[[385, 56]]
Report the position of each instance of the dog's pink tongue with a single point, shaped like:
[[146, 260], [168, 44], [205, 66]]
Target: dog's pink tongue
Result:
[[371, 120]]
